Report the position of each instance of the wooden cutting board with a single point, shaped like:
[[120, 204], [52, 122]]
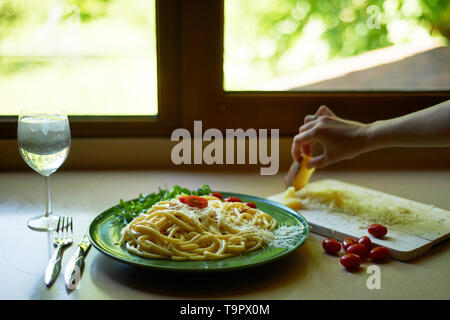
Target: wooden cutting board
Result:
[[405, 242]]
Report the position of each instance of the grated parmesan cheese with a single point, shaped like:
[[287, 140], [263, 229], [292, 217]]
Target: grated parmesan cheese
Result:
[[286, 236], [351, 200], [368, 206]]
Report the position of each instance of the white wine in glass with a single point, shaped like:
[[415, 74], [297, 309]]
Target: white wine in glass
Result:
[[43, 136]]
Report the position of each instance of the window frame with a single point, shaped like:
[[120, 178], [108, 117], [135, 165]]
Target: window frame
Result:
[[168, 66], [204, 97]]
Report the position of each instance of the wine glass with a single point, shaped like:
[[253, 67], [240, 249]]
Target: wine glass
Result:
[[43, 137]]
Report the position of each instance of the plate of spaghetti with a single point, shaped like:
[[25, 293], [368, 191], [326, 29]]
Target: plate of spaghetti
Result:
[[198, 231]]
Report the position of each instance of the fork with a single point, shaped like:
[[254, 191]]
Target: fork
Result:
[[63, 237]]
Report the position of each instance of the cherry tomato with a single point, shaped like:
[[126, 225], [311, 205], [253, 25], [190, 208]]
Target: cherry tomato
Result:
[[358, 249], [348, 242], [233, 199], [366, 242], [217, 195], [331, 246], [194, 201], [377, 230], [350, 261], [379, 254], [251, 205]]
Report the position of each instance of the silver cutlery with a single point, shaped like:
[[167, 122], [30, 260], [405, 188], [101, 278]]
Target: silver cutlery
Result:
[[62, 238], [72, 273]]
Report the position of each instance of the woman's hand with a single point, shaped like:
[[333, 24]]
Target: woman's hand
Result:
[[344, 139], [341, 139]]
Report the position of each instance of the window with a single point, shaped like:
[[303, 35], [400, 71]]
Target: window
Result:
[[321, 45], [95, 58], [203, 94], [92, 57]]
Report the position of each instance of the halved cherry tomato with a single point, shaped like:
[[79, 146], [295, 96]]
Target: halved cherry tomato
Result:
[[358, 249], [243, 209], [377, 230], [350, 261], [366, 242], [331, 246], [348, 242], [194, 201], [217, 195], [379, 254], [233, 199], [251, 205]]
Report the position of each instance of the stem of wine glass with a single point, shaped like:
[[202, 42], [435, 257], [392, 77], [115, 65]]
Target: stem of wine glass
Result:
[[48, 211]]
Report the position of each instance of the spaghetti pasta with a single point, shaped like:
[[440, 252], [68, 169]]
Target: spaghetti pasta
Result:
[[175, 230]]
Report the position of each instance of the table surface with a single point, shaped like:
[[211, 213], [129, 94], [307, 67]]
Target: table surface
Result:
[[308, 273]]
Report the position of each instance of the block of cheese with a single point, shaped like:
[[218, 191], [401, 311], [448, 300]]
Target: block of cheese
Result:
[[299, 174]]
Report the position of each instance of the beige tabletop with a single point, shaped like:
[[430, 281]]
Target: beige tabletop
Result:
[[308, 273]]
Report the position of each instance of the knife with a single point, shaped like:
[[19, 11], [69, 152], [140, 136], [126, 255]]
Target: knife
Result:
[[74, 268]]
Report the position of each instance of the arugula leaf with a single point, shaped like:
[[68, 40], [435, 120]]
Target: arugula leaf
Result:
[[127, 211]]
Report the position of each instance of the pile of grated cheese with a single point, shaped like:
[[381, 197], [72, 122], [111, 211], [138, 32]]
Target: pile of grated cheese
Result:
[[373, 206], [286, 236]]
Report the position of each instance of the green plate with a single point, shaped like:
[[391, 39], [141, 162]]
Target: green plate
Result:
[[105, 235]]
